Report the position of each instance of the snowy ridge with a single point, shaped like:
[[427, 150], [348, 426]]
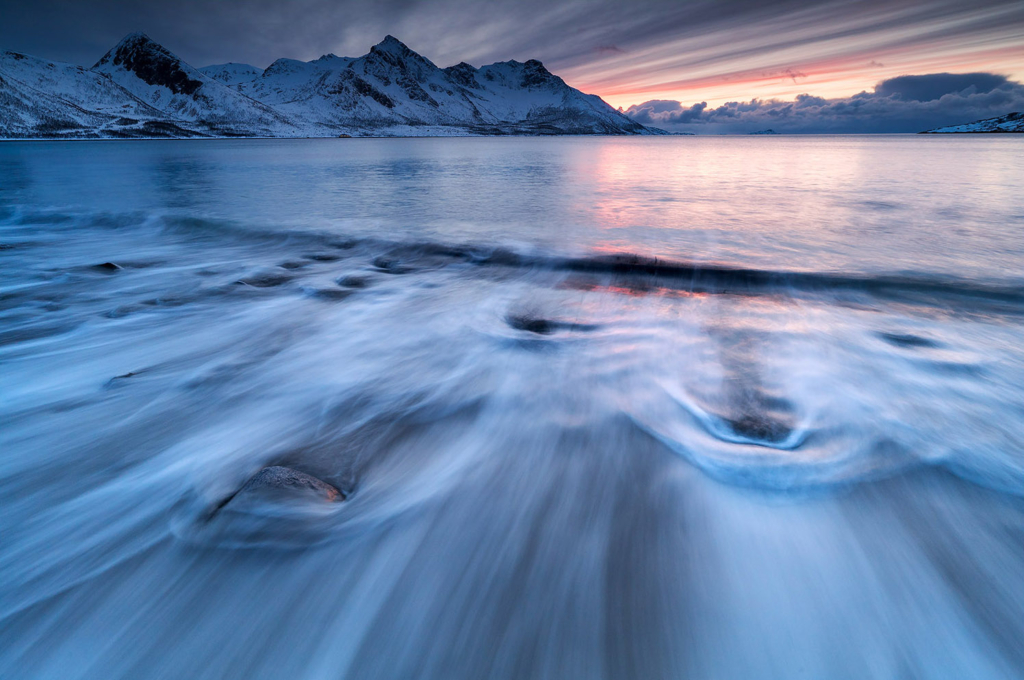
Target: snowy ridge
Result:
[[141, 89], [1011, 122], [231, 73]]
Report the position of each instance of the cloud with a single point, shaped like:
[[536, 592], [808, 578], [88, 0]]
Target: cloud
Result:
[[661, 112], [901, 104], [611, 47], [936, 85]]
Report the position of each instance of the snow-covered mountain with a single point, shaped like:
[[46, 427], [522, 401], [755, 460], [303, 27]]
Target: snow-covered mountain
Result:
[[45, 99], [232, 73], [139, 88], [1011, 122], [163, 81]]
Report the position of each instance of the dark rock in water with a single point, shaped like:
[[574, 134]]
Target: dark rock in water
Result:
[[352, 282], [532, 324], [116, 380], [329, 293], [108, 267], [277, 481], [907, 340], [759, 427], [291, 264], [322, 257], [265, 280], [390, 266]]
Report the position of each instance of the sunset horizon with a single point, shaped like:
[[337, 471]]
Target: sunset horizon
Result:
[[693, 52]]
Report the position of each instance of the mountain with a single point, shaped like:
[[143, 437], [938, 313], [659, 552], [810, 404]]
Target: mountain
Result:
[[154, 75], [1011, 122], [394, 87], [139, 88], [231, 73], [45, 99]]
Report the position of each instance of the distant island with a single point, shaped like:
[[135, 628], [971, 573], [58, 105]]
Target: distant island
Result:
[[139, 89], [1011, 122], [769, 131]]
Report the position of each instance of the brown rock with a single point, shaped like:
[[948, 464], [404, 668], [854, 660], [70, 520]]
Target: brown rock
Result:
[[277, 480]]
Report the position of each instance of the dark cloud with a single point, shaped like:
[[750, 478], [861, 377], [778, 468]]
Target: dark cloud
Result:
[[936, 85], [902, 104], [665, 113], [606, 42]]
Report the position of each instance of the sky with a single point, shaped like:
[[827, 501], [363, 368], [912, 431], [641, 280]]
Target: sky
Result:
[[630, 52]]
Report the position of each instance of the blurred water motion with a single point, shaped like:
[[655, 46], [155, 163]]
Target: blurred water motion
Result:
[[702, 408]]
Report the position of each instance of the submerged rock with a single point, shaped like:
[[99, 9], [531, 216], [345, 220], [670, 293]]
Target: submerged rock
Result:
[[329, 293], [265, 280], [353, 282], [531, 324], [760, 428], [390, 266], [278, 481], [907, 340], [113, 382], [541, 326], [108, 267]]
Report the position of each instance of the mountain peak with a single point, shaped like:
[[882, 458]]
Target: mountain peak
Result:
[[535, 75], [131, 44], [134, 41], [391, 45], [462, 73], [136, 36], [151, 62]]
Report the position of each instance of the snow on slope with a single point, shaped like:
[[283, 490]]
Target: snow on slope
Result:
[[41, 99], [75, 85], [162, 80], [393, 86], [231, 73], [1011, 122], [27, 112], [141, 89]]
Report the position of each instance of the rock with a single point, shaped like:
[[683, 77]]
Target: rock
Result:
[[108, 267], [278, 481], [540, 326], [907, 340], [265, 280], [329, 293], [390, 266], [352, 282], [531, 324]]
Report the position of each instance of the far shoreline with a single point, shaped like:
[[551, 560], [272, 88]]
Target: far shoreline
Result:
[[567, 136]]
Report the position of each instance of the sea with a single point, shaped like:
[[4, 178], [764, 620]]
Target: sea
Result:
[[641, 407]]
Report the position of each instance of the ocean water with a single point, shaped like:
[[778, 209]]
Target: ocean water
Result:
[[603, 408]]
